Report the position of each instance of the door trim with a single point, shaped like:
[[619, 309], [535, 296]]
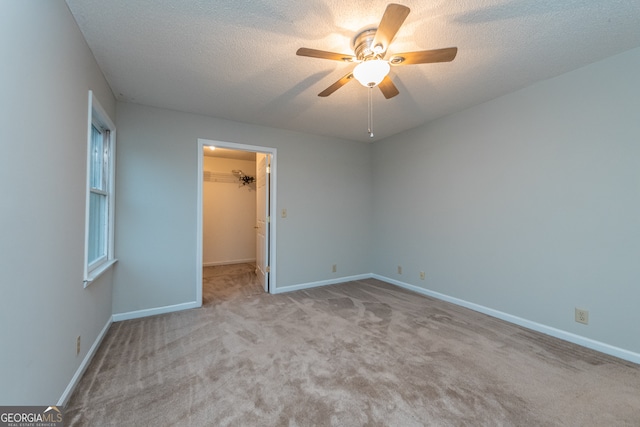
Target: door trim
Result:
[[201, 143]]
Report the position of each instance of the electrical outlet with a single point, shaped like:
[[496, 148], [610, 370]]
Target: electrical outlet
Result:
[[422, 275], [582, 316], [334, 268], [78, 345], [399, 269]]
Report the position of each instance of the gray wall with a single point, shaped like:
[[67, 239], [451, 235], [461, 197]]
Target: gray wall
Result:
[[46, 73], [528, 204], [325, 185]]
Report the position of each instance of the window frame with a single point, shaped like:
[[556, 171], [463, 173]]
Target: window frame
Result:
[[98, 118]]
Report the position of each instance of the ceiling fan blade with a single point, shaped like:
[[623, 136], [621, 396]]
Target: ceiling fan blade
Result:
[[337, 85], [389, 90], [391, 21], [424, 56], [323, 54]]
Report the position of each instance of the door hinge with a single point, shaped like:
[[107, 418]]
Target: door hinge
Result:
[[268, 269], [268, 219]]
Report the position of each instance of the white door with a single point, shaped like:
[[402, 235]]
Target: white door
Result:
[[263, 162]]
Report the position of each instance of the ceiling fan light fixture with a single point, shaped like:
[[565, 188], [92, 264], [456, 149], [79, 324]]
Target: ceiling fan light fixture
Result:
[[370, 73]]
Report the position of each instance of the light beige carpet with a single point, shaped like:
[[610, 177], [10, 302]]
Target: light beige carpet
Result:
[[354, 354]]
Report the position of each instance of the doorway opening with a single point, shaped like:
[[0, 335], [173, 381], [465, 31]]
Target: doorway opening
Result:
[[248, 236]]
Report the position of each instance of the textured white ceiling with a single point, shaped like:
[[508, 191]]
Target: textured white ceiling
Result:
[[235, 59]]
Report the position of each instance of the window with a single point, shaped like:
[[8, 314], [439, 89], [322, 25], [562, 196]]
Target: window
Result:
[[100, 192]]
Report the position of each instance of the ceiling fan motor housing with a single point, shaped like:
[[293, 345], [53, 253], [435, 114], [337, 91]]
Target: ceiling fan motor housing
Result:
[[363, 46]]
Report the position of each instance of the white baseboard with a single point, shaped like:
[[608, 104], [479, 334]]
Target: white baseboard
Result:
[[83, 366], [538, 327], [292, 288], [237, 261], [154, 311]]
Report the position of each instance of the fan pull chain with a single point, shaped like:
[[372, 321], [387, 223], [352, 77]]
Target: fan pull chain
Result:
[[370, 111]]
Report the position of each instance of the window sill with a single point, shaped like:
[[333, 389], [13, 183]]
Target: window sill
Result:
[[91, 277]]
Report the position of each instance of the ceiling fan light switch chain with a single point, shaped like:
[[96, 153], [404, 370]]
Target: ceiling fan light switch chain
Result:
[[370, 111]]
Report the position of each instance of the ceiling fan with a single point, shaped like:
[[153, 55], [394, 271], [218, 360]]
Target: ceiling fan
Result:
[[370, 50]]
